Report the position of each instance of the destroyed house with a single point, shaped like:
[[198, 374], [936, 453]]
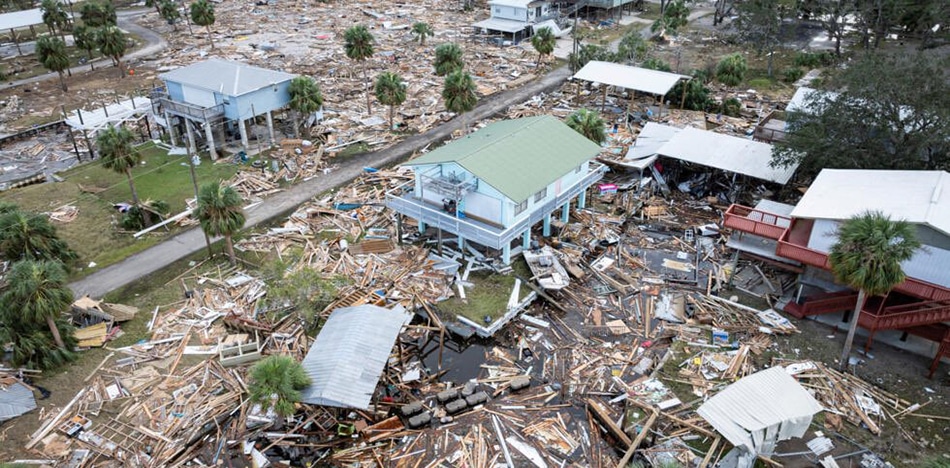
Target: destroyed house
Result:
[[515, 16], [204, 98], [801, 237], [492, 186]]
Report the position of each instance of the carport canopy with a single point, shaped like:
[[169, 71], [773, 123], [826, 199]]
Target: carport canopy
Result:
[[625, 76]]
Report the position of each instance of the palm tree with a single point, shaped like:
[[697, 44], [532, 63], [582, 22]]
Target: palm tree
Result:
[[37, 291], [51, 52], [168, 10], [112, 44], [588, 123], [221, 213], [358, 45], [390, 91], [276, 382], [30, 236], [543, 42], [55, 17], [868, 257], [85, 38], [448, 58], [459, 93], [118, 153], [422, 30], [202, 14], [305, 98]]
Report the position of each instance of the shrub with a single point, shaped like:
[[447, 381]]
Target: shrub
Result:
[[814, 59], [731, 70], [793, 74], [731, 107]]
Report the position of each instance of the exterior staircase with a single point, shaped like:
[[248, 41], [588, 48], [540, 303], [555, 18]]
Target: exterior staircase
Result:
[[907, 315], [823, 304]]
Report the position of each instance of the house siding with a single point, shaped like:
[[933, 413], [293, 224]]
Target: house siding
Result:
[[174, 91], [552, 190], [263, 100]]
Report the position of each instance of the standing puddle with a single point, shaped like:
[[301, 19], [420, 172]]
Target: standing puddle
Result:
[[462, 360]]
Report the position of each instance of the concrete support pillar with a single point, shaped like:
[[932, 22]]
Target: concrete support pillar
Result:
[[243, 129], [526, 239], [582, 199], [506, 254], [270, 128], [172, 138], [461, 242], [546, 225], [192, 148], [209, 135], [422, 227], [566, 212]]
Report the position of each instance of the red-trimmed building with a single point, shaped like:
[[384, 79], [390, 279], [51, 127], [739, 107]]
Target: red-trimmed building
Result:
[[800, 237]]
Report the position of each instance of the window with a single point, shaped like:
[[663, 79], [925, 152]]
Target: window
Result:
[[541, 194], [520, 207], [497, 10]]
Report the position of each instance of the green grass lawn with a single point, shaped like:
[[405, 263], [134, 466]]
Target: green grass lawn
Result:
[[95, 234], [489, 295]]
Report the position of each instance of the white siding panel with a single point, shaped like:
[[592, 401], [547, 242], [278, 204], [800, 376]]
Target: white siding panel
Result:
[[198, 97], [483, 206]]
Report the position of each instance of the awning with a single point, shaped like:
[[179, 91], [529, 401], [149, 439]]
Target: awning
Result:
[[624, 76], [503, 25]]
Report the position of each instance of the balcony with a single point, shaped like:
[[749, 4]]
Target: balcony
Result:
[[405, 202], [760, 223], [191, 111]]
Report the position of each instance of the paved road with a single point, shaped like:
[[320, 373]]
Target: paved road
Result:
[[182, 245], [153, 44]]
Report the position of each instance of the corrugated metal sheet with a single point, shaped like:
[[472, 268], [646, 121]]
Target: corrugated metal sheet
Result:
[[501, 24], [729, 153], [15, 399], [226, 77], [348, 356], [624, 76], [915, 196], [761, 409]]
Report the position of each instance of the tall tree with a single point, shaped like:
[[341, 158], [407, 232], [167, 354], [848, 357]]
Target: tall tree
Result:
[[85, 39], [31, 236], [169, 12], [51, 52], [588, 123], [867, 256], [119, 154], [459, 93], [276, 382], [390, 90], [54, 17], [112, 44], [833, 16], [202, 14], [358, 45], [305, 99], [890, 112], [760, 22], [543, 42], [221, 213], [37, 291], [633, 47], [448, 58], [421, 31], [97, 15], [674, 17], [156, 4]]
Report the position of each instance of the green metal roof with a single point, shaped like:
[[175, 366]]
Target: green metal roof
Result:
[[517, 157]]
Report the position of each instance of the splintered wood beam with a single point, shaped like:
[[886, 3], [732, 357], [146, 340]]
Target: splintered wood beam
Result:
[[604, 418]]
